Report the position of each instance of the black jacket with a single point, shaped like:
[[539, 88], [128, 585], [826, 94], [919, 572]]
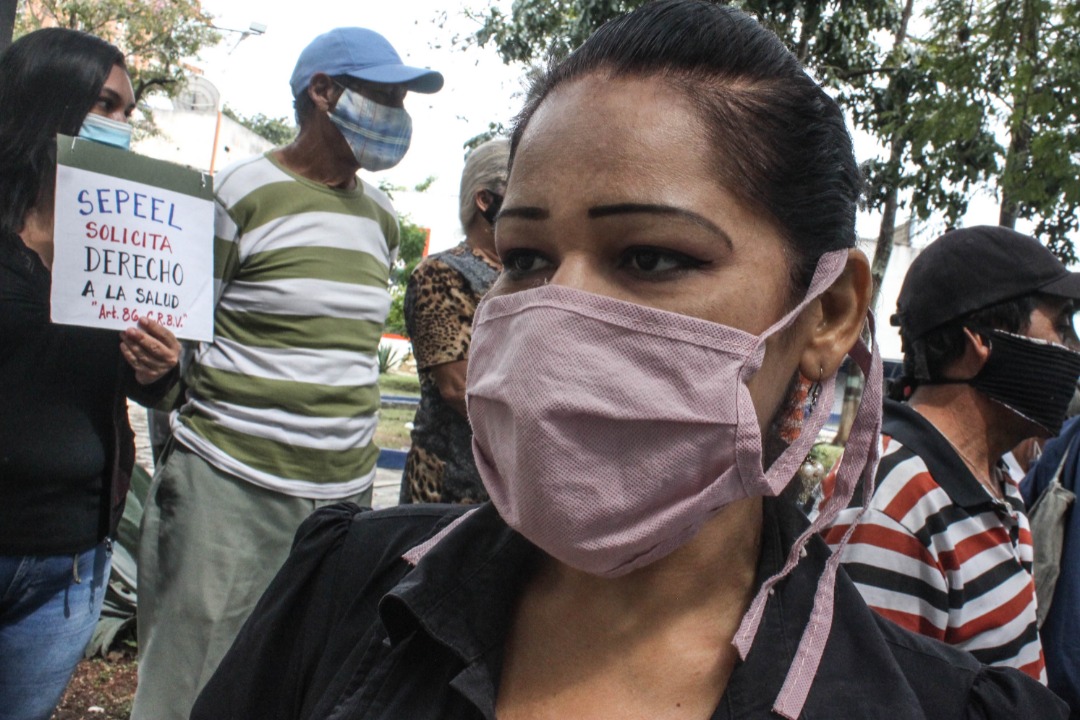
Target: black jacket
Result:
[[350, 630], [66, 447]]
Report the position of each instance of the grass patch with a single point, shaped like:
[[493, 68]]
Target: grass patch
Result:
[[391, 432], [395, 384]]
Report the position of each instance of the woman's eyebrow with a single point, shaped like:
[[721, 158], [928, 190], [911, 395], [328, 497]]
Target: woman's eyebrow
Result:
[[599, 211], [524, 212]]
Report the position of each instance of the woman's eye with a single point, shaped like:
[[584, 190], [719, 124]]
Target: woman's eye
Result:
[[655, 260], [521, 262]]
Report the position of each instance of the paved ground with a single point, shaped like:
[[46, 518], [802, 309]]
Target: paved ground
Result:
[[387, 488], [387, 482]]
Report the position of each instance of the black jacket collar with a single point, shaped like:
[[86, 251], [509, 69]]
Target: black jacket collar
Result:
[[463, 592]]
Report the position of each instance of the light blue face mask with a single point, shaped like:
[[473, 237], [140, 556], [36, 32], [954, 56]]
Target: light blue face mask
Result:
[[378, 135], [108, 132]]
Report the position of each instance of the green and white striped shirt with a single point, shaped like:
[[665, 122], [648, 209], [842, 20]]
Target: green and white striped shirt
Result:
[[285, 396]]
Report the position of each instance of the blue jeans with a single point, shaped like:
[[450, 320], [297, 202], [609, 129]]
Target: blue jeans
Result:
[[46, 620]]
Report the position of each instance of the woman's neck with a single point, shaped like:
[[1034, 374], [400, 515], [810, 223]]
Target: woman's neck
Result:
[[583, 646], [721, 560], [481, 238]]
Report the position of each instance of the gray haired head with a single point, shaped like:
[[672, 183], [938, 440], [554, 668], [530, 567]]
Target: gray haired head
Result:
[[486, 168]]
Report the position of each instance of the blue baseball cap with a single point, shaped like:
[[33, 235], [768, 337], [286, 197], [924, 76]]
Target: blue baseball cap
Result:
[[362, 54]]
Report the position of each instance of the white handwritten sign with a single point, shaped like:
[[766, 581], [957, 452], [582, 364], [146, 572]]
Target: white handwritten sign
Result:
[[132, 237]]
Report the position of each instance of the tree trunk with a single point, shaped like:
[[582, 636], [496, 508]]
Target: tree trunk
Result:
[[887, 230], [1015, 160], [810, 20], [882, 251], [1016, 157]]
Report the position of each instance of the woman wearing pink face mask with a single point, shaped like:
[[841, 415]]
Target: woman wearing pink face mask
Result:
[[646, 378]]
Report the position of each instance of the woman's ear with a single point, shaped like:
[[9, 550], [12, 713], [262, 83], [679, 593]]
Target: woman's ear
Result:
[[323, 92], [843, 309], [483, 200]]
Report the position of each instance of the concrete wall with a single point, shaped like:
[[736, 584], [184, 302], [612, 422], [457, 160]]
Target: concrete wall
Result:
[[186, 137]]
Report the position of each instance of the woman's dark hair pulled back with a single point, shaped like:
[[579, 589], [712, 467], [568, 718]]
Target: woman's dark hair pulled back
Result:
[[779, 141], [49, 81]]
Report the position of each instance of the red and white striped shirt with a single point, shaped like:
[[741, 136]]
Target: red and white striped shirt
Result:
[[938, 554]]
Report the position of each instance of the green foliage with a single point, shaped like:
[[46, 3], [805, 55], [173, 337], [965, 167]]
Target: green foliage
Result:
[[985, 98], [410, 251], [425, 184], [540, 28], [494, 130], [412, 240], [388, 357], [156, 36], [1025, 70], [390, 188], [279, 130], [395, 319]]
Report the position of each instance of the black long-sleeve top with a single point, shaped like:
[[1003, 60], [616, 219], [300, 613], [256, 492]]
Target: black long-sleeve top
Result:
[[350, 630], [66, 448]]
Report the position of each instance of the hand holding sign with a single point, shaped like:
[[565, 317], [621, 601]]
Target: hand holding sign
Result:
[[151, 350]]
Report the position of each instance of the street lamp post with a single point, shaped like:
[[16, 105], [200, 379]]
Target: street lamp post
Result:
[[256, 29]]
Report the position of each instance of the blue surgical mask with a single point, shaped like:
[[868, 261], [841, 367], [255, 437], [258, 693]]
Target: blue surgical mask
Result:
[[108, 132], [378, 135]]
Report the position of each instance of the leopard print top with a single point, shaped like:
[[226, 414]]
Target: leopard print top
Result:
[[440, 300]]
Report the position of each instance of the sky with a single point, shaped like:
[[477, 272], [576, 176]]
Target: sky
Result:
[[253, 76]]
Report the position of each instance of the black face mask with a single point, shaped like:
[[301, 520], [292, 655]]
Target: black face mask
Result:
[[1034, 379], [493, 208]]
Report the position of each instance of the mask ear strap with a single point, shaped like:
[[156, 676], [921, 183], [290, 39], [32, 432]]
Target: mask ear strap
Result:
[[858, 464]]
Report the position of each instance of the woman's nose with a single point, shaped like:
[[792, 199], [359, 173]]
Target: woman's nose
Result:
[[580, 271]]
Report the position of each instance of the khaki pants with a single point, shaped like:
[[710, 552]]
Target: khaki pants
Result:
[[210, 545]]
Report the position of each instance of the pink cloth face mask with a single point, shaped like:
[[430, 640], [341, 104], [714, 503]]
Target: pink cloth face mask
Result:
[[607, 433]]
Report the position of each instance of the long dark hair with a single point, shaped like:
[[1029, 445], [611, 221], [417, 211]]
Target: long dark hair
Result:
[[49, 81], [779, 141]]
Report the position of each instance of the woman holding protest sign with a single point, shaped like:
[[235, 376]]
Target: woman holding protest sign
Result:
[[66, 448]]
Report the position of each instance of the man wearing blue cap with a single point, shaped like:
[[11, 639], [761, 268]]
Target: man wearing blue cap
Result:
[[280, 409]]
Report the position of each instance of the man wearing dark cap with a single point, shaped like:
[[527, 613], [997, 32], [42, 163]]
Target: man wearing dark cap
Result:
[[985, 314], [280, 409]]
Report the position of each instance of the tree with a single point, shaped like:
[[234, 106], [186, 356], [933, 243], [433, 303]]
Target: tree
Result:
[[155, 35], [835, 39], [493, 131], [829, 35], [413, 240], [1019, 62], [277, 130]]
